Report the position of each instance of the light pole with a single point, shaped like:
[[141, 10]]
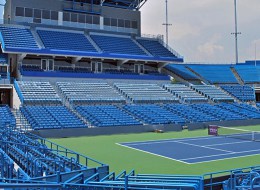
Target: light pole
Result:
[[167, 23], [236, 32]]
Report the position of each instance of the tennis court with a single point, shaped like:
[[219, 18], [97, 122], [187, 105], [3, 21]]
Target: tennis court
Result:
[[202, 149]]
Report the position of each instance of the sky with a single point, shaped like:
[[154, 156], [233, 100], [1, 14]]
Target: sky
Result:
[[201, 29]]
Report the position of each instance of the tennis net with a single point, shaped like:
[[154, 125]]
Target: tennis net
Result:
[[234, 133]]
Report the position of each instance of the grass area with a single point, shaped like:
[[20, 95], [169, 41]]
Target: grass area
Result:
[[105, 149]]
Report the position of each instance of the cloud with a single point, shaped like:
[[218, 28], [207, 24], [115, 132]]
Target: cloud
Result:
[[211, 47]]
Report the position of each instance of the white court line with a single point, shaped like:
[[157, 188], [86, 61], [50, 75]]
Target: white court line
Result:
[[153, 154], [204, 147], [228, 143], [221, 159], [170, 140], [193, 158]]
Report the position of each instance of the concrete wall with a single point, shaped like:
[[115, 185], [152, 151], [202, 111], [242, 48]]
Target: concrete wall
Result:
[[16, 99], [62, 133]]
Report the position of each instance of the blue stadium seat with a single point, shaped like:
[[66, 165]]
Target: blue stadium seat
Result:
[[215, 73], [106, 116], [117, 45], [38, 93], [155, 47], [15, 37], [62, 40], [51, 117], [182, 71], [154, 114], [243, 93], [248, 73]]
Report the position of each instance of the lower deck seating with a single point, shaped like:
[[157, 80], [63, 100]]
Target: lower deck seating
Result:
[[6, 116], [106, 115], [243, 93], [154, 114], [51, 117], [190, 114], [213, 93], [185, 93]]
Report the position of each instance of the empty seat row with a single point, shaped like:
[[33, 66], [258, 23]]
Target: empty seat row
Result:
[[51, 117]]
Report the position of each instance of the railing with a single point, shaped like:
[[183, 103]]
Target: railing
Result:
[[160, 38], [20, 95]]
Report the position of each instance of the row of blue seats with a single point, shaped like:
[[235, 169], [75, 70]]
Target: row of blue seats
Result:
[[106, 115], [51, 117], [19, 37], [6, 116], [243, 93]]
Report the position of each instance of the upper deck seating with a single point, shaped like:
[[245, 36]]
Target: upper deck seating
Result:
[[215, 73], [155, 47], [117, 45], [61, 40], [15, 37], [182, 71]]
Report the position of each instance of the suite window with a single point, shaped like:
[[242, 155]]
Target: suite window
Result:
[[113, 22], [134, 24], [46, 14], [66, 17], [37, 13], [107, 21], [127, 24], [88, 19], [95, 20], [74, 17], [28, 12], [19, 11], [121, 23], [54, 15], [82, 18]]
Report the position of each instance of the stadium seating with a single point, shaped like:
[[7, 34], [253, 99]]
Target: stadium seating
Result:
[[215, 73], [184, 93], [213, 93], [190, 114], [61, 40], [15, 37], [218, 112], [6, 116], [31, 68], [243, 93], [155, 47], [154, 114], [248, 73], [106, 116], [145, 93], [38, 93], [117, 45], [182, 71], [89, 92], [241, 109], [51, 117]]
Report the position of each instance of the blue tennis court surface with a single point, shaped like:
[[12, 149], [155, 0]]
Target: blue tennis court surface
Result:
[[197, 150]]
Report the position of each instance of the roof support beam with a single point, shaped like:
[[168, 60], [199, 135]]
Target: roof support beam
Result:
[[76, 59], [20, 57], [122, 62]]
